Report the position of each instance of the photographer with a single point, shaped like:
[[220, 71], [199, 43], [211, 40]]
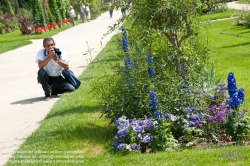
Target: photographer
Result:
[[51, 62]]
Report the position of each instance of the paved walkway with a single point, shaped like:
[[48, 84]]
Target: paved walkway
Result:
[[235, 5], [22, 108]]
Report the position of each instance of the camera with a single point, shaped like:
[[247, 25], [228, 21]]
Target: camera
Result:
[[57, 51]]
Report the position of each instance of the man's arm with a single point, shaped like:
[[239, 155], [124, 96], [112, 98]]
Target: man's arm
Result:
[[42, 64], [65, 65]]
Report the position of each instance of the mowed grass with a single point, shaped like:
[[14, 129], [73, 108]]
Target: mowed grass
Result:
[[229, 46], [73, 133]]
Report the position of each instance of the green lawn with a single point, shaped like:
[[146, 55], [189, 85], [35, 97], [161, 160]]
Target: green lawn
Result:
[[74, 134]]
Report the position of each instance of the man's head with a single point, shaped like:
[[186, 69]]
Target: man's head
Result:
[[48, 43]]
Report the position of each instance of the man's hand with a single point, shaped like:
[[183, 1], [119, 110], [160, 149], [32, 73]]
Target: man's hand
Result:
[[53, 55]]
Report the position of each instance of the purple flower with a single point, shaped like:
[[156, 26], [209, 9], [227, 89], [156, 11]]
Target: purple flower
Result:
[[136, 147], [137, 126], [147, 123], [189, 111], [201, 117], [139, 136], [121, 146], [173, 118], [116, 144], [217, 113], [121, 133], [146, 138], [122, 123]]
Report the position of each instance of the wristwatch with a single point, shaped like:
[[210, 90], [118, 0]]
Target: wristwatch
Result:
[[57, 60]]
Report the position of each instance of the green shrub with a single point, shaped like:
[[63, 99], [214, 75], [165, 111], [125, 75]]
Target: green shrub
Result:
[[38, 13], [54, 10]]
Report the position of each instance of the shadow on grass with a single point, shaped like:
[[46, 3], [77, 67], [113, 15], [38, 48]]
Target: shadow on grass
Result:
[[237, 45], [90, 132], [113, 60]]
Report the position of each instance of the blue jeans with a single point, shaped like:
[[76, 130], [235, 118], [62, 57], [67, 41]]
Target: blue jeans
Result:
[[111, 13], [53, 85]]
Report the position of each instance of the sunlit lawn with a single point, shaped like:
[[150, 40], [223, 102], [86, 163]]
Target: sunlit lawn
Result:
[[74, 134]]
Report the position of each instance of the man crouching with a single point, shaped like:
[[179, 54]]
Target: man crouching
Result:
[[51, 62]]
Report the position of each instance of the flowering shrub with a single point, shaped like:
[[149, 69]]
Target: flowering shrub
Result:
[[40, 30], [143, 135], [220, 120], [237, 124]]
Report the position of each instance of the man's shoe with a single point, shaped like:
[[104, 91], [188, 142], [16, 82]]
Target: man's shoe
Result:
[[47, 97]]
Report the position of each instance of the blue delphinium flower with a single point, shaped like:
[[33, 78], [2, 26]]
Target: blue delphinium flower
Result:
[[232, 88], [128, 63], [153, 99], [125, 42], [149, 59], [157, 114], [236, 96], [150, 72], [241, 96]]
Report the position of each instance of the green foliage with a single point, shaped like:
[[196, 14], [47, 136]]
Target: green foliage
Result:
[[25, 11], [26, 24], [238, 126], [8, 24], [62, 5], [38, 13], [54, 10], [162, 137], [126, 92], [10, 10]]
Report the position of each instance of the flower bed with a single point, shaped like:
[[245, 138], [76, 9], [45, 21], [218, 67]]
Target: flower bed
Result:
[[222, 122], [50, 27]]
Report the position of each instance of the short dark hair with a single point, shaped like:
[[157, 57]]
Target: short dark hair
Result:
[[46, 39]]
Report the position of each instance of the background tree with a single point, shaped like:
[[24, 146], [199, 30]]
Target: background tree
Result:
[[38, 13], [166, 56], [62, 5], [176, 20], [55, 10], [10, 10]]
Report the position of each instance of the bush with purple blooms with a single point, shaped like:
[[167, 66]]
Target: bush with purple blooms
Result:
[[219, 120], [148, 135]]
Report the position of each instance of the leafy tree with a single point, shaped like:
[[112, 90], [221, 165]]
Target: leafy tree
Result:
[[38, 13], [166, 34], [10, 10], [62, 5], [174, 19], [55, 10]]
